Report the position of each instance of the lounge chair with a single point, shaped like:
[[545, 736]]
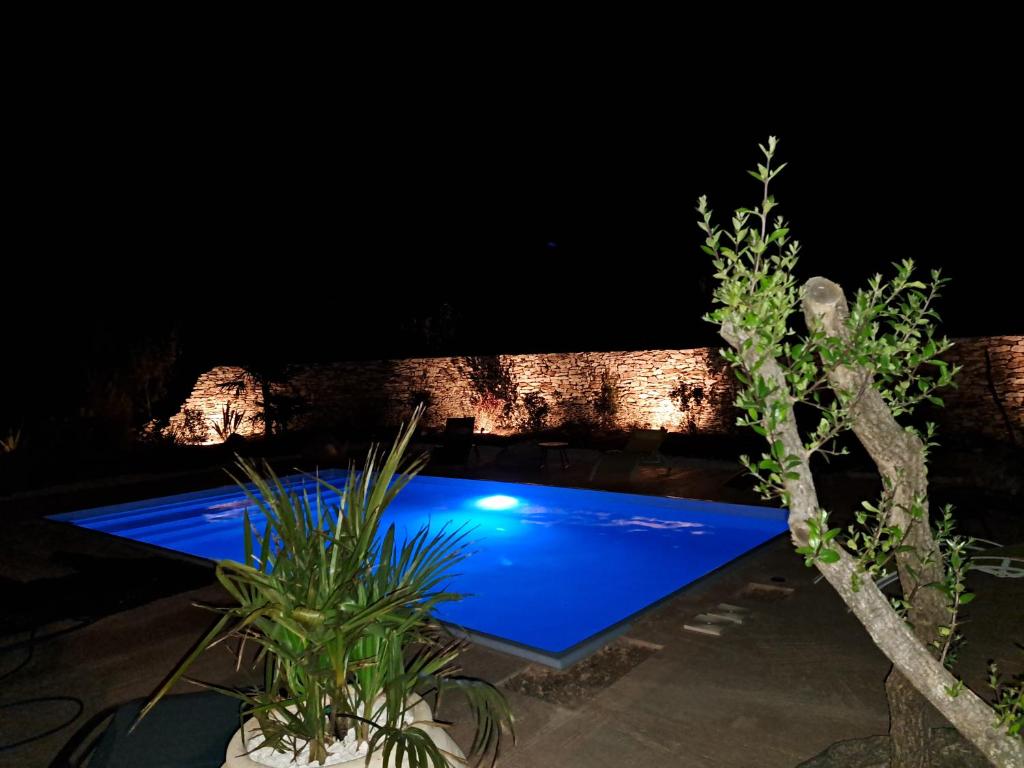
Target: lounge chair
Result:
[[642, 448], [995, 559], [1004, 562]]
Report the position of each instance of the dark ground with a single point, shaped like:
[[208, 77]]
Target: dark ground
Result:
[[99, 620]]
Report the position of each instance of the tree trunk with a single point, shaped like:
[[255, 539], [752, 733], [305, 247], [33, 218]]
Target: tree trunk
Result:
[[909, 731], [967, 712], [900, 458]]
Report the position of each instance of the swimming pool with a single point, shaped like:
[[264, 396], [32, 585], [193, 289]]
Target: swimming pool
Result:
[[552, 569]]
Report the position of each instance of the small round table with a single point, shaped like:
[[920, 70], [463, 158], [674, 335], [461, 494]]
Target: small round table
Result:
[[555, 446]]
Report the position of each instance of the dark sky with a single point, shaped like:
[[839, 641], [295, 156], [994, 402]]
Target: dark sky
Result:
[[312, 225]]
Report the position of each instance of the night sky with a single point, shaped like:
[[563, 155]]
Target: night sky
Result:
[[279, 225]]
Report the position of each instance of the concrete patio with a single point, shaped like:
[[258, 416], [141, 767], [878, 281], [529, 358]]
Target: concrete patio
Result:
[[797, 675]]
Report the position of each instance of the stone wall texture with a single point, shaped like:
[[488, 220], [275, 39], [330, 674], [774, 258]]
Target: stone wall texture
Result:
[[683, 390], [989, 396]]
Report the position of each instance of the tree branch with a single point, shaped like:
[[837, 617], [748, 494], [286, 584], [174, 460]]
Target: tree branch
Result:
[[971, 715]]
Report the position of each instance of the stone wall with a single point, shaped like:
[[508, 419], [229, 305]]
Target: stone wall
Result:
[[686, 390], [224, 387], [989, 396]]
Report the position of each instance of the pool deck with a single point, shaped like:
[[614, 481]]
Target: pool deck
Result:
[[799, 674]]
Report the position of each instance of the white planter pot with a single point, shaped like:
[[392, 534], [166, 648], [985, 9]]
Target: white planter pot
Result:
[[420, 712]]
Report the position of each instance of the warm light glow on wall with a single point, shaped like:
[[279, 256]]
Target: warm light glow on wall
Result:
[[665, 415], [215, 416], [617, 390], [209, 396], [487, 414]]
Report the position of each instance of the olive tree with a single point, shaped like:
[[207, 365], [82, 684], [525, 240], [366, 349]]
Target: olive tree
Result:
[[857, 367]]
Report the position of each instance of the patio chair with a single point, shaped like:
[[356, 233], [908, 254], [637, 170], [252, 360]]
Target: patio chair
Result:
[[642, 448], [456, 442]]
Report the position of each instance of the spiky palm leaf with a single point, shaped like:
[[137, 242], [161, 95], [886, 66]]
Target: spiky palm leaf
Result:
[[334, 608]]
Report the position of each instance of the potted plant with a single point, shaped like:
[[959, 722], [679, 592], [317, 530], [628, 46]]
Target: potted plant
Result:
[[342, 619]]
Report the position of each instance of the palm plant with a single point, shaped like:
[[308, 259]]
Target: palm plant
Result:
[[342, 617], [230, 421]]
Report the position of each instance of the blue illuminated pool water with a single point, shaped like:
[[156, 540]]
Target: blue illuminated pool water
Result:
[[551, 567]]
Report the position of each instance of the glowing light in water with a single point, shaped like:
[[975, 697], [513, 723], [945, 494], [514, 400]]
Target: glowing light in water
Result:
[[498, 502]]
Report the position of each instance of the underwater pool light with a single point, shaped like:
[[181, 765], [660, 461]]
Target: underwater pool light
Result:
[[498, 502]]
